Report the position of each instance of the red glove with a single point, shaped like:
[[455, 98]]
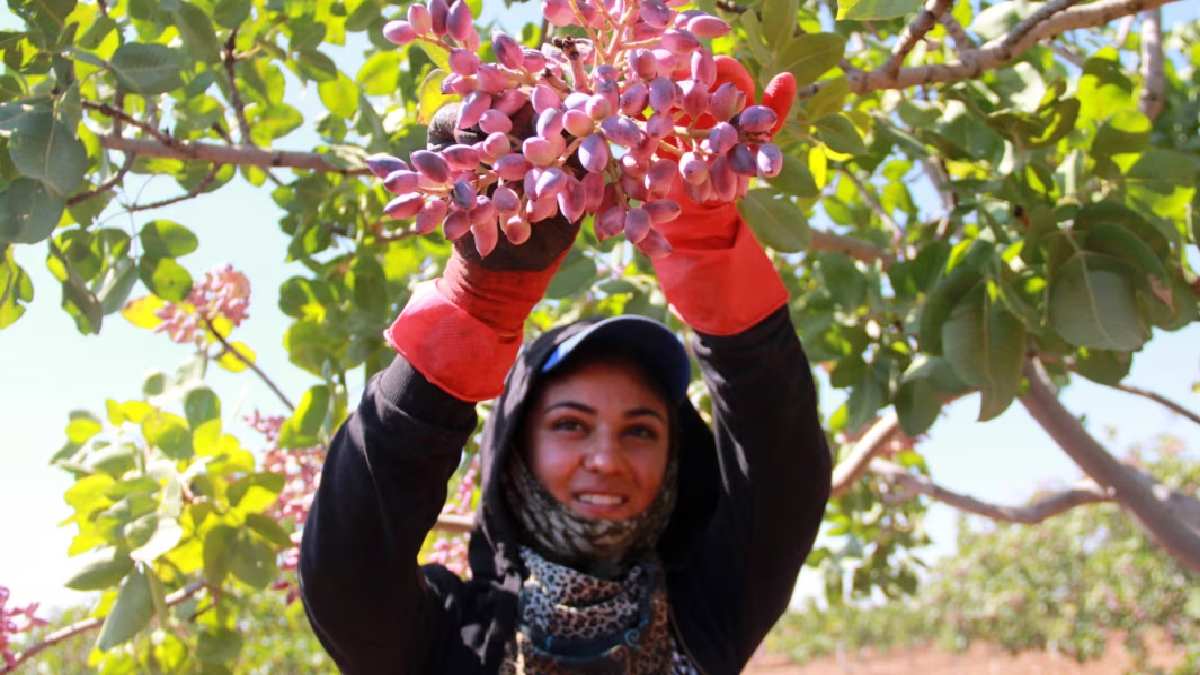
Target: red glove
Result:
[[717, 276], [463, 331]]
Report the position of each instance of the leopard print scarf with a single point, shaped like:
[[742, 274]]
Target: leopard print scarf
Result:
[[572, 622]]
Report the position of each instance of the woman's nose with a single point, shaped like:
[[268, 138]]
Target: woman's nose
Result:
[[604, 456]]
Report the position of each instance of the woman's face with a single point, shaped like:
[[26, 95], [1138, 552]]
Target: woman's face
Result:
[[598, 440]]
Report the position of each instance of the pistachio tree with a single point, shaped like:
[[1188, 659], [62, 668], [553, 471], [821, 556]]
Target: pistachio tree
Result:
[[977, 199]]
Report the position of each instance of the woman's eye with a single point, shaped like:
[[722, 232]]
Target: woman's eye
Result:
[[648, 433], [566, 425]]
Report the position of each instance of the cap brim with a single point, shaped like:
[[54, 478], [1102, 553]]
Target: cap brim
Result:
[[642, 338]]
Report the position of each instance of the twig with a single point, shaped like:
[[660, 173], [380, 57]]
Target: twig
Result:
[[190, 194], [1067, 55], [106, 185], [1029, 514], [235, 97], [914, 32], [1153, 81], [954, 29], [997, 52], [873, 442], [224, 154], [450, 522], [855, 248], [869, 197], [1123, 30], [231, 349], [119, 114], [68, 632], [1161, 400]]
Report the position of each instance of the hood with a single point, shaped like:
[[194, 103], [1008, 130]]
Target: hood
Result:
[[493, 549]]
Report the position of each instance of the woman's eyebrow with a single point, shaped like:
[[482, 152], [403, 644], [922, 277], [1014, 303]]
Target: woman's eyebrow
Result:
[[573, 405], [634, 412]]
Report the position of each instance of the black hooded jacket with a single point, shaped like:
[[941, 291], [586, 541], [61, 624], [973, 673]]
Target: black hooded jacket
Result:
[[752, 492]]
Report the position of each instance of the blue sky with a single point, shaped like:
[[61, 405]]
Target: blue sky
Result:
[[49, 369]]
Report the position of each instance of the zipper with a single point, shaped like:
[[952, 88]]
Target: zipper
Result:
[[682, 643]]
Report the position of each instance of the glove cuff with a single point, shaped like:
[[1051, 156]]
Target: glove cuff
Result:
[[500, 299], [459, 353], [722, 291]]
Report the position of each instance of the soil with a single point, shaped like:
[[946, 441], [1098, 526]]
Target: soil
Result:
[[978, 660]]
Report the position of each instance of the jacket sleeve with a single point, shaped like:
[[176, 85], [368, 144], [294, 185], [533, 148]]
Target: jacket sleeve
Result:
[[775, 468], [382, 487]]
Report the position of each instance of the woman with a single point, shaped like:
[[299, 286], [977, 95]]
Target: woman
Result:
[[617, 533]]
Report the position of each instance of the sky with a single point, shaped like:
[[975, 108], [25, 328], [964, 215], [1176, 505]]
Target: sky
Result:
[[48, 369]]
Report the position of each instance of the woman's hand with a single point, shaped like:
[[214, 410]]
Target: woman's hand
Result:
[[548, 238]]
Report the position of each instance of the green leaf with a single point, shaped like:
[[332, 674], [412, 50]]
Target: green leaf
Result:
[[219, 646], [256, 492], [810, 55], [1126, 131], [15, 289], [950, 289], [429, 95], [45, 150], [168, 433], [101, 573], [866, 397], [1103, 366], [1092, 304], [197, 32], [201, 405], [777, 222], [130, 613], [165, 278], [219, 543], [840, 134], [305, 423], [29, 212], [871, 10], [167, 239], [270, 530], [118, 282], [576, 274], [253, 561], [918, 404], [828, 100], [148, 68], [795, 179], [340, 95], [985, 344], [231, 13], [778, 20], [1117, 241], [380, 74]]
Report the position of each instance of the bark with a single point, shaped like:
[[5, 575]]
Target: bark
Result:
[[974, 62], [1163, 518], [874, 441], [1044, 507], [916, 30], [1153, 80], [227, 154]]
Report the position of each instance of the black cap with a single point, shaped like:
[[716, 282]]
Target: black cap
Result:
[[647, 341]]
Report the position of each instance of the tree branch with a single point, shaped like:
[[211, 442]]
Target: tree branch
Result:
[[106, 185], [190, 194], [235, 97], [1035, 512], [855, 248], [868, 446], [224, 154], [1044, 12], [1167, 403], [86, 625], [1153, 80], [997, 52], [231, 349], [872, 202], [120, 115], [916, 30], [1147, 503]]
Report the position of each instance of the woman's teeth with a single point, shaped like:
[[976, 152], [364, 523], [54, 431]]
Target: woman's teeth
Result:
[[601, 499]]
